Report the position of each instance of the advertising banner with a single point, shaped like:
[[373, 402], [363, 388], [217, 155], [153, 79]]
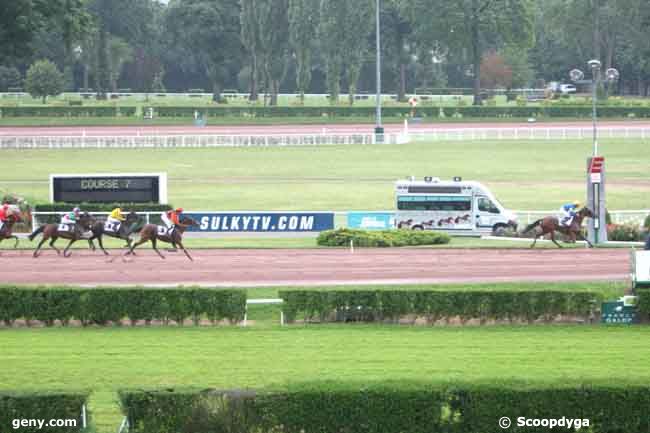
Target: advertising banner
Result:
[[262, 221], [371, 220]]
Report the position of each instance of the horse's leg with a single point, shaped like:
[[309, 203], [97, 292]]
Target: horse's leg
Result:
[[135, 245], [553, 239], [180, 244], [101, 245], [153, 244], [38, 247], [54, 239], [16, 242], [585, 239], [66, 252]]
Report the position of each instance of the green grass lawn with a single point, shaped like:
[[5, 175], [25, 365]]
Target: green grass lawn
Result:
[[523, 174], [105, 360]]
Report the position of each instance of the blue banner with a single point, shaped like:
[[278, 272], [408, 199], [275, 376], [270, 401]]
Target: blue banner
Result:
[[262, 221], [371, 220]]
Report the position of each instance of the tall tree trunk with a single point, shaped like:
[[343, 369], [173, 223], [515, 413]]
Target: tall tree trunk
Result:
[[253, 96], [401, 96], [86, 73], [476, 57], [216, 92], [275, 89]]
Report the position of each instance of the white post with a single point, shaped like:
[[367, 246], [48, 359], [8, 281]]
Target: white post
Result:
[[351, 246], [83, 416]]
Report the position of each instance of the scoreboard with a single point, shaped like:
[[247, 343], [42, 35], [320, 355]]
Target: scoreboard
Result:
[[109, 188]]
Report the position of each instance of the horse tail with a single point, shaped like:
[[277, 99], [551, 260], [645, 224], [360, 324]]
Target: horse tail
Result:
[[37, 232], [531, 226]]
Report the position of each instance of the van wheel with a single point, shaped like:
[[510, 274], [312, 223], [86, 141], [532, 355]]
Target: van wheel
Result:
[[418, 228], [499, 230]]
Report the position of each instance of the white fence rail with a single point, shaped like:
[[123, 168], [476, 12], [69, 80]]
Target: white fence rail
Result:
[[526, 133], [636, 217], [314, 139], [207, 140]]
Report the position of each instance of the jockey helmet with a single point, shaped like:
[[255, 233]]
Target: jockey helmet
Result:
[[179, 210], [76, 210], [577, 203]]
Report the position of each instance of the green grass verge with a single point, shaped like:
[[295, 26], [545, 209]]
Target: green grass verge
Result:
[[105, 360], [523, 174]]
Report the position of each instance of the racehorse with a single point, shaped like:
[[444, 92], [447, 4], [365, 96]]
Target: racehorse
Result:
[[12, 218], [56, 231], [124, 231], [551, 224], [154, 233]]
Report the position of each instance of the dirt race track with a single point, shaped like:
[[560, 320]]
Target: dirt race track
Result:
[[309, 267]]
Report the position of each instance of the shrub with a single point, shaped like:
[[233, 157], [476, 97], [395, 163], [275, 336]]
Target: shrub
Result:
[[405, 407], [9, 78], [43, 79], [624, 232], [646, 223], [381, 305], [382, 238], [106, 306], [644, 302], [44, 406]]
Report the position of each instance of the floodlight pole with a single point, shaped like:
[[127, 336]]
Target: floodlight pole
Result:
[[379, 130]]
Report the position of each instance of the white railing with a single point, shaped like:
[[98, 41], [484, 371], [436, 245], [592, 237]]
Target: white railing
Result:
[[523, 217], [314, 139], [526, 133], [618, 216], [183, 141]]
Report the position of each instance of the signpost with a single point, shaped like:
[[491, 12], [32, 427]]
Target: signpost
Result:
[[597, 226], [109, 188]]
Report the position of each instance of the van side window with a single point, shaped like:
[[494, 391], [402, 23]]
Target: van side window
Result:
[[486, 205]]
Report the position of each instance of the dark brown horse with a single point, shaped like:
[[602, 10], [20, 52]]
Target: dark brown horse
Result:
[[81, 230], [154, 233], [6, 230], [124, 231], [551, 224]]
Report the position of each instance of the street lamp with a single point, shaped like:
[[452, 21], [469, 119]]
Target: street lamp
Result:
[[379, 129], [611, 75], [596, 231]]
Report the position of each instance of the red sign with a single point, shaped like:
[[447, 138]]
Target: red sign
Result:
[[597, 163]]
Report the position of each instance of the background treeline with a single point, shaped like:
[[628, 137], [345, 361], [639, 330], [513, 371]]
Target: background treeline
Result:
[[322, 46]]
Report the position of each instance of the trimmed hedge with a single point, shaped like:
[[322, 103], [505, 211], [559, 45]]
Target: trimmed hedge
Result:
[[434, 305], [67, 111], [644, 303], [403, 111], [380, 238], [386, 408], [101, 207], [109, 305], [42, 406]]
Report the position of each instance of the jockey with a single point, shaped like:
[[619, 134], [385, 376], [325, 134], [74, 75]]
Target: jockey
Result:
[[171, 218], [116, 217], [5, 213], [71, 217], [568, 211]]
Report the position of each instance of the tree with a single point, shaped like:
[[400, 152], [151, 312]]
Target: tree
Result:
[[472, 25], [44, 79], [9, 78], [264, 25], [303, 21], [343, 31], [494, 72], [208, 33]]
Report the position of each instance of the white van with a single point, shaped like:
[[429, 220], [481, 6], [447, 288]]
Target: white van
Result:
[[457, 207]]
